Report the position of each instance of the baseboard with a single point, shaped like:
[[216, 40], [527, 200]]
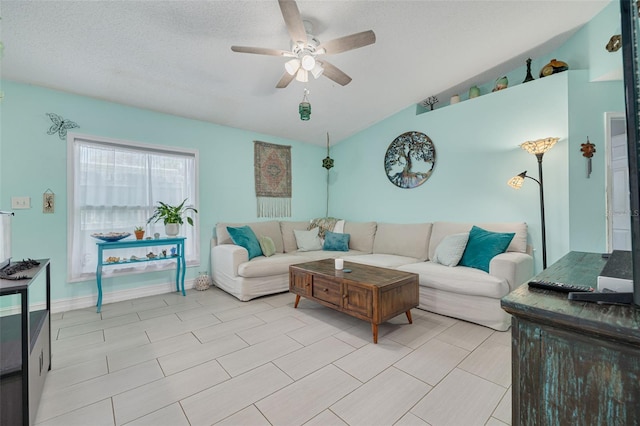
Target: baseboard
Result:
[[64, 305]]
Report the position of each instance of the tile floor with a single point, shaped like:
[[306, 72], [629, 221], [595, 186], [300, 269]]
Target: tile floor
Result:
[[208, 358]]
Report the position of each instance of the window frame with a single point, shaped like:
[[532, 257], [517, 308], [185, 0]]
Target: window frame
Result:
[[72, 137]]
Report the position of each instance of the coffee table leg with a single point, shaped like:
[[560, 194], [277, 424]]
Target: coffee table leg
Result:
[[409, 317], [374, 329], [297, 301]]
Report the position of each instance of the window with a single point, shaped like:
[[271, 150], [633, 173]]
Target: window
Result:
[[113, 186]]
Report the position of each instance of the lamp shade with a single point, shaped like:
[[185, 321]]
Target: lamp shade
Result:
[[317, 70], [539, 146], [302, 75], [308, 62], [292, 66], [517, 181]]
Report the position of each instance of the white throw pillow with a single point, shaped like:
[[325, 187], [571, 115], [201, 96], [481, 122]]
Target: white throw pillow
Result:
[[451, 248], [308, 240]]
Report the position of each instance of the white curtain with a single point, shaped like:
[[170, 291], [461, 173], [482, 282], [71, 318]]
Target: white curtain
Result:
[[115, 188]]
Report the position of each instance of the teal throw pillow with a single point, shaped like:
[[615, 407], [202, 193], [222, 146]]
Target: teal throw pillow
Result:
[[483, 246], [245, 237], [336, 242], [267, 245]]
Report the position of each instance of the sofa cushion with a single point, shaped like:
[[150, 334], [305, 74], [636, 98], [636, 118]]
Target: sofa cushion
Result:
[[483, 246], [381, 260], [308, 240], [458, 280], [451, 248], [267, 245], [277, 264], [410, 240], [269, 228], [288, 238], [442, 229], [336, 242], [362, 235], [244, 236]]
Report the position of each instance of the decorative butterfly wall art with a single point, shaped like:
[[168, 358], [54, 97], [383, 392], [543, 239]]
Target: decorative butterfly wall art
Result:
[[60, 125]]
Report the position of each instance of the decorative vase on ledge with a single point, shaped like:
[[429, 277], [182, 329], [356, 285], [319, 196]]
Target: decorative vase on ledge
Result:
[[171, 229]]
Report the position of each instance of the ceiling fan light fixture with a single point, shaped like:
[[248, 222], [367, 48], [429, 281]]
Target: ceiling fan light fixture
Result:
[[292, 66], [302, 75], [317, 70], [308, 62]]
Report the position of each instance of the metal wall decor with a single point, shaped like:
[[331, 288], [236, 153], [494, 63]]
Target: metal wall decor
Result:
[[327, 163], [60, 125], [410, 159], [588, 149], [430, 102]]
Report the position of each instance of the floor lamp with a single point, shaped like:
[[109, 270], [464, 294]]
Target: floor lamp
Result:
[[537, 148]]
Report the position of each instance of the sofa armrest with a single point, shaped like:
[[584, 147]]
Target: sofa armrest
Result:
[[226, 258], [514, 267]]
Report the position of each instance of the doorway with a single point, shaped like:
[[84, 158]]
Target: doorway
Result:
[[617, 183]]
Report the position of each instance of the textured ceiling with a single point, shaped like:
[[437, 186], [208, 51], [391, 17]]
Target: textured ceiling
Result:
[[175, 56]]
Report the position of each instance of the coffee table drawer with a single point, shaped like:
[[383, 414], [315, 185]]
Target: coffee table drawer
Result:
[[359, 299], [300, 282], [327, 291]]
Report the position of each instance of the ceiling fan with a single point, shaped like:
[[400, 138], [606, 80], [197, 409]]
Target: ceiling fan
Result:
[[305, 49]]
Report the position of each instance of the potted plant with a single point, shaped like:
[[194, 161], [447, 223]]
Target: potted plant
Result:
[[172, 216], [139, 231]]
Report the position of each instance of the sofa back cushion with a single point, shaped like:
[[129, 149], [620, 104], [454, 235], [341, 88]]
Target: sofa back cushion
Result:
[[288, 238], [269, 229], [442, 229], [411, 240], [362, 235]]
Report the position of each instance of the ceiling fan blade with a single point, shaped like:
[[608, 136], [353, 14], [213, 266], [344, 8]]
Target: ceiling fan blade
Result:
[[293, 20], [335, 74], [261, 51], [285, 80], [350, 42]]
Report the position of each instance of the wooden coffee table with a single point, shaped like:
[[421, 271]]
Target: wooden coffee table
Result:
[[367, 292]]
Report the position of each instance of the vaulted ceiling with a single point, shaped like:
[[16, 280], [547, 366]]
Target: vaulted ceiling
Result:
[[175, 57]]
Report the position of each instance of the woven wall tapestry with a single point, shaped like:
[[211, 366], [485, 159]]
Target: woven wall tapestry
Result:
[[272, 168]]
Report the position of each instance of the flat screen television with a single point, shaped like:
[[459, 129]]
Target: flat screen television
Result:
[[631, 66]]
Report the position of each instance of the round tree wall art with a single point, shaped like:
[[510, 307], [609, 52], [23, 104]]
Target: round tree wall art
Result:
[[410, 159]]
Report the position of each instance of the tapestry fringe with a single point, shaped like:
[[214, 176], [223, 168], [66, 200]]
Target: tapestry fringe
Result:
[[274, 207]]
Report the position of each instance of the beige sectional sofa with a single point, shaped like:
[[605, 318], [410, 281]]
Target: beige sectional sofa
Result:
[[461, 292]]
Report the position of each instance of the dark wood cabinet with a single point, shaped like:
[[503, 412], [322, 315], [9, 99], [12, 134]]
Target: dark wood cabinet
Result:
[[25, 346], [573, 362]]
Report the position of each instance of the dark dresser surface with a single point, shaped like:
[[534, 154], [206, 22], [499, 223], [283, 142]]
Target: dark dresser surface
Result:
[[579, 268], [573, 362]]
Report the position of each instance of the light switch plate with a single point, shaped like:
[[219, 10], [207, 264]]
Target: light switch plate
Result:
[[20, 203]]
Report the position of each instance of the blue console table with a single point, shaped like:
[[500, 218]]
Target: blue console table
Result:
[[181, 265]]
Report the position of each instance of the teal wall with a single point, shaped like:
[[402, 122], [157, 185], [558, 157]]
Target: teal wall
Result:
[[587, 196], [32, 161], [477, 151], [476, 146]]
